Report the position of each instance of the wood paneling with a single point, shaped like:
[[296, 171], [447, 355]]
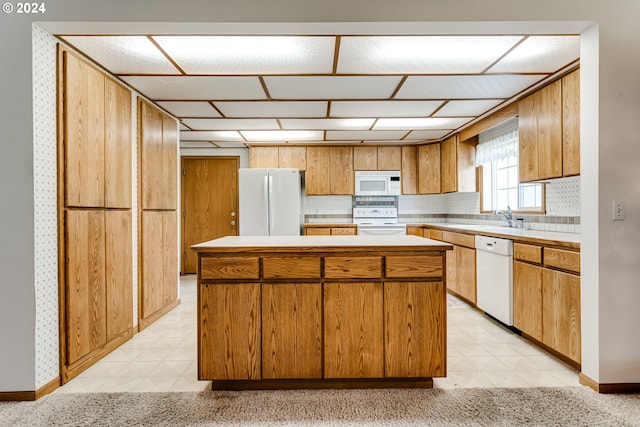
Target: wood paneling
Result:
[[291, 267], [230, 268], [84, 133], [151, 156], [118, 145], [341, 170], [409, 170], [317, 177], [415, 341], [169, 163], [152, 271], [360, 267], [527, 299], [559, 258], [230, 335], [85, 283], [561, 313], [389, 158], [292, 330], [530, 253], [365, 158], [292, 157], [118, 273], [263, 157], [571, 124], [429, 169], [353, 330], [413, 266]]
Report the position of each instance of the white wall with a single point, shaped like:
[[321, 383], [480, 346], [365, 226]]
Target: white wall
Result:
[[610, 133]]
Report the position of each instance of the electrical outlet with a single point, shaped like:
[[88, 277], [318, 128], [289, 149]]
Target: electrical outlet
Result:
[[618, 210]]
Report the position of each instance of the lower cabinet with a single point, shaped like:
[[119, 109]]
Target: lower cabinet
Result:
[[465, 278], [527, 299], [328, 230]]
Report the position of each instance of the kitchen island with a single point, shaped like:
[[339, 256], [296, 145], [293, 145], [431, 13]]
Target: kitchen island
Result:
[[321, 311]]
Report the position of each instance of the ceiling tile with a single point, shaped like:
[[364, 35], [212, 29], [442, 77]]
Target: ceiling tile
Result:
[[197, 87], [230, 144], [124, 54], [196, 144], [540, 54], [324, 124], [468, 108], [365, 134], [281, 135], [183, 127], [327, 87], [383, 108], [421, 123], [273, 109], [421, 54], [210, 136], [466, 87], [426, 134], [189, 108], [231, 124]]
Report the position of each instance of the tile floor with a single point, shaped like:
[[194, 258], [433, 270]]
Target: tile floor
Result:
[[481, 353]]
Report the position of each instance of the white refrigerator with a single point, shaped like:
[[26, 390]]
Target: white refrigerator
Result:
[[269, 202]]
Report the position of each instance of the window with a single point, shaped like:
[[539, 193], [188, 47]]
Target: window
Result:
[[497, 157]]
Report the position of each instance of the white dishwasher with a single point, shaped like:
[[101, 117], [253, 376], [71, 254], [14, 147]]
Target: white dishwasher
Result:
[[494, 277]]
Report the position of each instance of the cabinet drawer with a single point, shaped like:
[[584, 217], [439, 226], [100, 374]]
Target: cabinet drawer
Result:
[[291, 267], [230, 268], [414, 266], [344, 231], [459, 239], [434, 234], [317, 231], [353, 267], [530, 253], [559, 258]]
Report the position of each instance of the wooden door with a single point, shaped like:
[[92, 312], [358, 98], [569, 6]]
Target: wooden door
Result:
[[353, 324], [118, 140], [429, 169], [409, 168], [527, 299], [571, 124], [151, 156], [317, 175], [561, 313], [169, 257], [389, 158], [414, 313], [152, 273], [291, 330], [119, 282], [209, 203], [341, 170]]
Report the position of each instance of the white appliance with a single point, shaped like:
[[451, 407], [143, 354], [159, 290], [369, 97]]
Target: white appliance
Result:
[[377, 216], [494, 277], [269, 202], [377, 183]]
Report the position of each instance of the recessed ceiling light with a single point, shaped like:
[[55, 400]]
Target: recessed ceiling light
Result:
[[410, 123], [281, 135]]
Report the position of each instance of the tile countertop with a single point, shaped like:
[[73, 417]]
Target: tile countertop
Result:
[[517, 234]]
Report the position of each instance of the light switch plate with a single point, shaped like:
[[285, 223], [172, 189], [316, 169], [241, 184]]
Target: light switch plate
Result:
[[618, 210]]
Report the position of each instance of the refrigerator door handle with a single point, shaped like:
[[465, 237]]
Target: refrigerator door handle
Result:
[[269, 195]]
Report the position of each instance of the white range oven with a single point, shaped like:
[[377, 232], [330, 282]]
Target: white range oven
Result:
[[377, 216]]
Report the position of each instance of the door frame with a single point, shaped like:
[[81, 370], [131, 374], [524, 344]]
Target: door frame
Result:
[[183, 249]]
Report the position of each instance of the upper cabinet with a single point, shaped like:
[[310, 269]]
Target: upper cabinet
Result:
[[429, 169], [550, 131], [409, 169], [341, 174], [458, 165], [329, 170], [292, 157], [317, 175], [278, 157], [263, 157], [389, 158], [368, 158]]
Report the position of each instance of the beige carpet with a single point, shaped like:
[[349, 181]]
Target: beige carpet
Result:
[[568, 406]]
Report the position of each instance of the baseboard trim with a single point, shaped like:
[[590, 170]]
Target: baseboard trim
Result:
[[611, 388], [146, 322], [49, 387]]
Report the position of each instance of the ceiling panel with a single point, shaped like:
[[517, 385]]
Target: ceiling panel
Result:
[[465, 87], [540, 54], [421, 54], [273, 109], [124, 54], [189, 108], [281, 135], [197, 87], [183, 127], [230, 144], [196, 144], [331, 87], [250, 54], [365, 134], [210, 136], [467, 108], [231, 124], [383, 108], [420, 123], [325, 124], [425, 135]]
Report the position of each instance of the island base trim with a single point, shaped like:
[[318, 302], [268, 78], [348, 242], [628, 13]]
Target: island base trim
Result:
[[352, 383]]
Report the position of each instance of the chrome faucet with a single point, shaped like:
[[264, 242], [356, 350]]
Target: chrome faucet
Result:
[[507, 215]]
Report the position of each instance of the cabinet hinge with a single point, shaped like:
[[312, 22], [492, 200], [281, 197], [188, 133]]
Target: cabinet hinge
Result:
[[184, 171]]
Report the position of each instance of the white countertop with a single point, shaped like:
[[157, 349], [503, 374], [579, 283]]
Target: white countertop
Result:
[[496, 230], [237, 242]]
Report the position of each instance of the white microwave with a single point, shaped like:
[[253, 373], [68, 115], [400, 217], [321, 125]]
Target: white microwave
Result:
[[377, 183]]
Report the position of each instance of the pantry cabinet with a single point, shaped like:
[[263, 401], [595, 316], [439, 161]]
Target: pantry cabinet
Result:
[[429, 169]]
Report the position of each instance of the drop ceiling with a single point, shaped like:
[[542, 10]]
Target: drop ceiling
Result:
[[240, 90]]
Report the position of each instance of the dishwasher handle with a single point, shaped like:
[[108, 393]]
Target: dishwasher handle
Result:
[[494, 245]]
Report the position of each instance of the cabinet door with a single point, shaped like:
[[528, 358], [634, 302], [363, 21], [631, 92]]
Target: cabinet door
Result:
[[292, 157], [389, 158], [571, 124], [528, 138], [263, 157], [466, 272], [152, 263], [341, 174], [429, 169], [527, 299], [409, 170], [449, 162], [169, 257], [118, 273], [550, 131], [450, 257], [85, 283], [229, 344], [151, 157], [415, 342], [561, 313], [291, 330], [169, 163], [118, 145], [344, 231], [353, 340], [414, 230], [317, 175], [83, 134], [365, 158], [317, 231]]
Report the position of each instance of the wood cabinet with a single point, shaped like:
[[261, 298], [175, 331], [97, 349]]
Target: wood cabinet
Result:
[[365, 158], [527, 299], [292, 157], [341, 172], [118, 273], [317, 178], [389, 158], [263, 157], [561, 313], [458, 165], [409, 169], [429, 169], [571, 124], [278, 157], [461, 263], [331, 230]]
